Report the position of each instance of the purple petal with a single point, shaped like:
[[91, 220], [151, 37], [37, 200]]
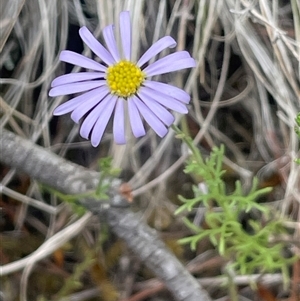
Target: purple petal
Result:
[[164, 115], [75, 77], [119, 122], [136, 123], [95, 46], [102, 121], [157, 47], [168, 90], [72, 104], [166, 101], [91, 119], [150, 117], [76, 87], [125, 31], [80, 60], [88, 104], [110, 41], [172, 62]]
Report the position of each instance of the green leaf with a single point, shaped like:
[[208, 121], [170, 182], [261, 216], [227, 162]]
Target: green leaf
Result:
[[251, 252]]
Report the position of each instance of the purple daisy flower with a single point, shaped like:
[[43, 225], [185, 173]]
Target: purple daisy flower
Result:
[[118, 82]]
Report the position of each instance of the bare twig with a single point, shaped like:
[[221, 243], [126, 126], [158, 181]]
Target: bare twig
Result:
[[62, 175]]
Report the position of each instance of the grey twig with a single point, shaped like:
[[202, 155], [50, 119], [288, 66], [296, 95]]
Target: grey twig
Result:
[[70, 178]]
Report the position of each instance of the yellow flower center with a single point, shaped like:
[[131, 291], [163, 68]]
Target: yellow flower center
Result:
[[124, 78]]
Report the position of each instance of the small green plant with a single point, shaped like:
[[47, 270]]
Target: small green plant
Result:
[[247, 251], [74, 282], [107, 174]]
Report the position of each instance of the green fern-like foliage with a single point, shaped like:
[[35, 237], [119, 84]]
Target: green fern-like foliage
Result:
[[107, 174], [250, 251]]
